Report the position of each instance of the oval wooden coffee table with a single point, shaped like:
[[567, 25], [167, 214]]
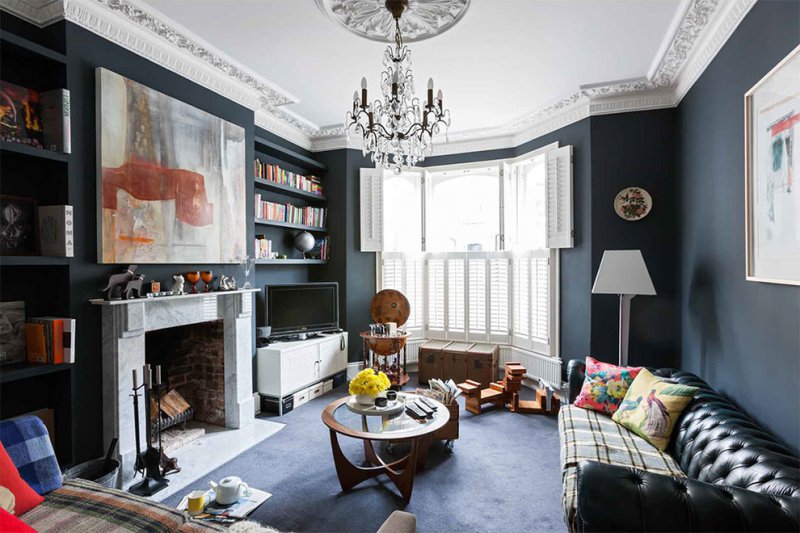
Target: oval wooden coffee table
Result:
[[394, 428]]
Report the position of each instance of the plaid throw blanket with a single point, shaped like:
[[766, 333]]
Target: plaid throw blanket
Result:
[[91, 508], [27, 443], [591, 436]]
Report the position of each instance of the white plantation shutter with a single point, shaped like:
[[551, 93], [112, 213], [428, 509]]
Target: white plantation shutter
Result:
[[477, 299], [405, 273], [371, 209], [436, 321], [499, 301], [456, 296], [533, 324], [541, 300], [521, 302], [559, 198]]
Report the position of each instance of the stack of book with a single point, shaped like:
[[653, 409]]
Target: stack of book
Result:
[[263, 247], [307, 216], [321, 249], [50, 340], [276, 174]]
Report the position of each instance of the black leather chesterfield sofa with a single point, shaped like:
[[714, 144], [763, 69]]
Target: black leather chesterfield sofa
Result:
[[738, 476]]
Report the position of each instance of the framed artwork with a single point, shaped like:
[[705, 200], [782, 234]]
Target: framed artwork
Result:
[[12, 333], [171, 179], [633, 203], [772, 189], [18, 221]]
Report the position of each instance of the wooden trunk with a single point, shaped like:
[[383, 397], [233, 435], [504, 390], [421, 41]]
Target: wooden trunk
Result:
[[482, 362], [430, 361], [454, 361]]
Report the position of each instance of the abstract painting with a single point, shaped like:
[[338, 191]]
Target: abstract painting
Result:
[[772, 137], [171, 178]]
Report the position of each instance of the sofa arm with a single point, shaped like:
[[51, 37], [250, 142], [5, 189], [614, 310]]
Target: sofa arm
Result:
[[617, 498], [576, 369], [399, 522]]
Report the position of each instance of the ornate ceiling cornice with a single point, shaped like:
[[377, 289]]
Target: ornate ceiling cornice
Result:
[[697, 34]]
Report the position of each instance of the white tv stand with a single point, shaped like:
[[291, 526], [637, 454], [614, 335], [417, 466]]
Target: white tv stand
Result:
[[297, 369]]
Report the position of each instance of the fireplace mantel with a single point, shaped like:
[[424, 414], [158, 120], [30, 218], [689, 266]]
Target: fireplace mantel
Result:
[[124, 325]]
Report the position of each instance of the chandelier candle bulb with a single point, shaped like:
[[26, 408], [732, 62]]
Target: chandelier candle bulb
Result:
[[439, 97], [430, 92], [364, 89]]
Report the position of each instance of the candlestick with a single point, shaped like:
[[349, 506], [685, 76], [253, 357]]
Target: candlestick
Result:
[[148, 376], [158, 374], [135, 385]]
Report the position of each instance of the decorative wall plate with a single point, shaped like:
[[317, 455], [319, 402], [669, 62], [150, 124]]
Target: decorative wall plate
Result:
[[633, 203], [422, 19]]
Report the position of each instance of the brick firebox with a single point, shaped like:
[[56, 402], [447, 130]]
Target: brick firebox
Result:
[[192, 358]]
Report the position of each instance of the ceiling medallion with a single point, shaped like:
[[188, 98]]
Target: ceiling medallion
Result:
[[422, 19], [398, 129]]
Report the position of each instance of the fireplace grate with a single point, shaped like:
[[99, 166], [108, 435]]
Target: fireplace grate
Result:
[[170, 421]]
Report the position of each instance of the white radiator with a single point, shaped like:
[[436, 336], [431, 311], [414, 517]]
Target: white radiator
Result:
[[538, 366], [413, 350]]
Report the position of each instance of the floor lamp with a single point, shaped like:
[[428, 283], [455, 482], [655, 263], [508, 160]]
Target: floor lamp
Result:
[[624, 273]]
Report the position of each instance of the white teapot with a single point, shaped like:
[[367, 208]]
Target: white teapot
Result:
[[229, 490]]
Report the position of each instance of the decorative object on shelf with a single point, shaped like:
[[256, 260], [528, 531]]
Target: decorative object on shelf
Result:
[[207, 276], [155, 287], [193, 277], [370, 19], [205, 188], [118, 281], [633, 203], [18, 219], [56, 235], [177, 284], [12, 333], [304, 242], [772, 195], [390, 305], [367, 385], [247, 263], [398, 130], [20, 120], [133, 289], [56, 120], [228, 283], [623, 272]]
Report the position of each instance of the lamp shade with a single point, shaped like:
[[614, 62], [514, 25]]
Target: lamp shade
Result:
[[623, 272]]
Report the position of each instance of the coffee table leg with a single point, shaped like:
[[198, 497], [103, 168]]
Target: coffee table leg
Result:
[[349, 474]]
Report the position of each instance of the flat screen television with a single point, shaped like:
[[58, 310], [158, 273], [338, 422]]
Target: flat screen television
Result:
[[302, 308]]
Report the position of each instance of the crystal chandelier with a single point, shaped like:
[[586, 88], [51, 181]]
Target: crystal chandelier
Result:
[[397, 129]]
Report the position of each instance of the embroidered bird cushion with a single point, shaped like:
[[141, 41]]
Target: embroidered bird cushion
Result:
[[604, 385], [651, 406]]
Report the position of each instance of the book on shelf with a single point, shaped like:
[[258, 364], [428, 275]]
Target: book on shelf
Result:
[[56, 230], [55, 120], [50, 340], [321, 249], [306, 216], [281, 176]]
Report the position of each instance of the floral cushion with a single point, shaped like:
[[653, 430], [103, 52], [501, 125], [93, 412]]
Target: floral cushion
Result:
[[651, 407], [605, 385]]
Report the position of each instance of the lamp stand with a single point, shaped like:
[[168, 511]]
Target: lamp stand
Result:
[[624, 326]]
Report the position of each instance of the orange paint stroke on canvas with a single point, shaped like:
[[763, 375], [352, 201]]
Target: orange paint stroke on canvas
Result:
[[150, 182], [134, 238]]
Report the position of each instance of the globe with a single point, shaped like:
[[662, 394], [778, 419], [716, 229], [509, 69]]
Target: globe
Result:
[[304, 241]]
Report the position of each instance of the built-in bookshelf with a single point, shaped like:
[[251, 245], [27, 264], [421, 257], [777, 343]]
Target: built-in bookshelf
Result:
[[37, 176], [276, 173]]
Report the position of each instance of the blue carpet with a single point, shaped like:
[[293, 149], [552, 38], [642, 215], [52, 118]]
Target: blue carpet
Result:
[[502, 477]]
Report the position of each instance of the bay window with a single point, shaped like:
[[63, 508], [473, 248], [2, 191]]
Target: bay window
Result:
[[474, 247]]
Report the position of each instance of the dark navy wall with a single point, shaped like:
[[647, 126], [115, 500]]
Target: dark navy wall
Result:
[[636, 149], [742, 336]]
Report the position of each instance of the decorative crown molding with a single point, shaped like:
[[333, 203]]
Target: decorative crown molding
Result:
[[698, 32]]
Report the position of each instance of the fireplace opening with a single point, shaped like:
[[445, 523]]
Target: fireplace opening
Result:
[[192, 360]]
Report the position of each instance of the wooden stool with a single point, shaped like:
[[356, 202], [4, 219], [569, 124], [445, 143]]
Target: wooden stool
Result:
[[505, 393]]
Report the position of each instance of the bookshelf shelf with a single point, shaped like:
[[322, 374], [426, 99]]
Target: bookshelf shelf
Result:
[[263, 146], [291, 261], [29, 47], [289, 191], [279, 224], [18, 371], [30, 151], [33, 260]]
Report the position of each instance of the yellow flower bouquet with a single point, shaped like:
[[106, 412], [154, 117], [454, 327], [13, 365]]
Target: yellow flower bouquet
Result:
[[367, 385]]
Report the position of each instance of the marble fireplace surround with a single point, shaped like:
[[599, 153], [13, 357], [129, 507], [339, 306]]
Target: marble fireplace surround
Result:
[[124, 324]]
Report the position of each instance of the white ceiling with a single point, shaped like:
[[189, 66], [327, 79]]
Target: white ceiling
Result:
[[505, 59]]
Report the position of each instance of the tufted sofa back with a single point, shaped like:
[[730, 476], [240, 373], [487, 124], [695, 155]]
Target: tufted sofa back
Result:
[[715, 442]]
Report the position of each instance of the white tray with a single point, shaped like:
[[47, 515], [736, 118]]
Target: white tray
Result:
[[370, 410]]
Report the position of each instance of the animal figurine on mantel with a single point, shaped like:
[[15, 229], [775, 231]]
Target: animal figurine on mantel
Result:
[[117, 283], [133, 289], [227, 283], [177, 285]]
